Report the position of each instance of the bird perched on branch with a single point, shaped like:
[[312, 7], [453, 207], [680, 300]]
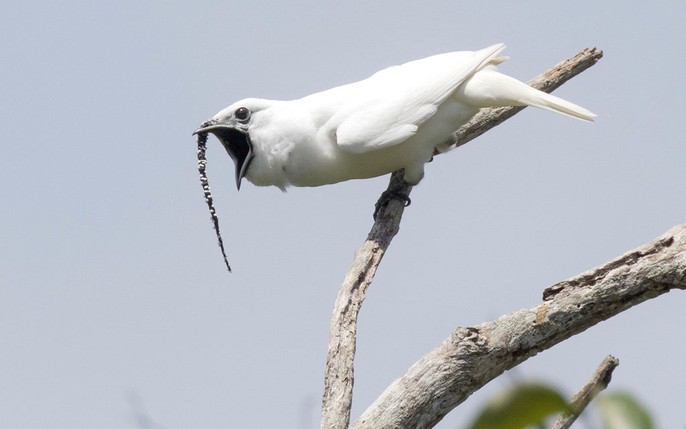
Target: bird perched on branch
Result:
[[395, 119]]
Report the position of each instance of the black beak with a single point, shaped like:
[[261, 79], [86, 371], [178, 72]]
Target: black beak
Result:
[[237, 144]]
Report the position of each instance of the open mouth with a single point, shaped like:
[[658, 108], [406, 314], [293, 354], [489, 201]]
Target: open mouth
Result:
[[237, 144]]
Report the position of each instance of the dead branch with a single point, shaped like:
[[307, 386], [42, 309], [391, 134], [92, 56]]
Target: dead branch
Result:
[[598, 382], [471, 357]]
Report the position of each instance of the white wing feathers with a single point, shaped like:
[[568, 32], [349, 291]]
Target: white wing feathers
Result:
[[388, 107]]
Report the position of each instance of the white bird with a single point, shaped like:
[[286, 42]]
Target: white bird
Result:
[[396, 118]]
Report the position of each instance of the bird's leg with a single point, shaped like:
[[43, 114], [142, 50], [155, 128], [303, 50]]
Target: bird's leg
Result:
[[398, 189]]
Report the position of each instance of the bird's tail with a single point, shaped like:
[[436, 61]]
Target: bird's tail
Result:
[[488, 88]]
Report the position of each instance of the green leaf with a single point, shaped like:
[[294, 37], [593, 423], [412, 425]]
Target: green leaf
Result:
[[620, 410], [520, 407]]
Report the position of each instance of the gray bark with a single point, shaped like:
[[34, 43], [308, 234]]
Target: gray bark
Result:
[[598, 382], [471, 357]]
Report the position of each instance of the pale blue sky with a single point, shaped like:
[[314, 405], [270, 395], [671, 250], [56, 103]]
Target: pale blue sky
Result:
[[111, 283]]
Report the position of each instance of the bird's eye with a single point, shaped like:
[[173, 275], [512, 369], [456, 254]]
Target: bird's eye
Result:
[[242, 114]]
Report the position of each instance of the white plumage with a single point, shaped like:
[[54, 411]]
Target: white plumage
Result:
[[394, 119]]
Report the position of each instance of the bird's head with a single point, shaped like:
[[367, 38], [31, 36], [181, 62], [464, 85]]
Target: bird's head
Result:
[[231, 126]]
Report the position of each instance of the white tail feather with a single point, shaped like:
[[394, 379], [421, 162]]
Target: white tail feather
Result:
[[488, 88]]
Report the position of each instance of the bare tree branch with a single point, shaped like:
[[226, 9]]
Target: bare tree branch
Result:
[[338, 382], [598, 382], [339, 373], [473, 356]]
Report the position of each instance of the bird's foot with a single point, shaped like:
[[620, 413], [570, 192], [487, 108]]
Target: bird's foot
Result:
[[387, 196]]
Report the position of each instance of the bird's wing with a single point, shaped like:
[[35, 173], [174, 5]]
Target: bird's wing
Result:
[[388, 107]]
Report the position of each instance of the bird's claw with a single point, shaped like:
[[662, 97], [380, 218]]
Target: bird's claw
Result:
[[387, 196]]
